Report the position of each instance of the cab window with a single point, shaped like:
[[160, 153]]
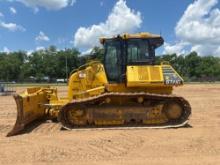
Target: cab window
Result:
[[137, 50]]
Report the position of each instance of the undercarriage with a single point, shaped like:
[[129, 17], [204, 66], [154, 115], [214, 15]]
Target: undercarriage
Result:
[[126, 109]]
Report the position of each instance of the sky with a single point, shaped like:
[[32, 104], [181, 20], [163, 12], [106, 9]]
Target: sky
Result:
[[186, 25]]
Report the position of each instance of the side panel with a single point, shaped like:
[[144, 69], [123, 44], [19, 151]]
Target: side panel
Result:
[[144, 75], [153, 75], [87, 81], [152, 88]]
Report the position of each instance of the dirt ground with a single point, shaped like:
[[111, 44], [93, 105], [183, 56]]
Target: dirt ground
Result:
[[48, 144]]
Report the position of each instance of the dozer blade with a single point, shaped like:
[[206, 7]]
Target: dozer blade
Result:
[[29, 108]]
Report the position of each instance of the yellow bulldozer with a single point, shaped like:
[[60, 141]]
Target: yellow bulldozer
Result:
[[128, 89]]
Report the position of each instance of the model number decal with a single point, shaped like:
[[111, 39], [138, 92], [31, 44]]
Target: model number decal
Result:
[[172, 82]]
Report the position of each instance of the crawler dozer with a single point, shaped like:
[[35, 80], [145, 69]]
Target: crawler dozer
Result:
[[127, 90]]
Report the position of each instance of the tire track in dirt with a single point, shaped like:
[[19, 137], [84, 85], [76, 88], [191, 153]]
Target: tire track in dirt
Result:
[[115, 146], [7, 114], [46, 128], [98, 148]]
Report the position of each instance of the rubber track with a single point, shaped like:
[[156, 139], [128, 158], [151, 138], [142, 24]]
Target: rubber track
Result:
[[160, 97]]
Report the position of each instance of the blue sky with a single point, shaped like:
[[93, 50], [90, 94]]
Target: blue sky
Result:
[[31, 24]]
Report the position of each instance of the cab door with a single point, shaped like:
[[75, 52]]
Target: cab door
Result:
[[113, 60]]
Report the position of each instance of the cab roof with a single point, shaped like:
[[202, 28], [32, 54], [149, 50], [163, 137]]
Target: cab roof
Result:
[[125, 36]]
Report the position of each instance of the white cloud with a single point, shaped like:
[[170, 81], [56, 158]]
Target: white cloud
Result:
[[88, 51], [12, 26], [1, 14], [29, 52], [72, 2], [199, 27], [48, 4], [121, 19], [178, 48], [6, 50], [13, 10], [40, 48], [42, 37]]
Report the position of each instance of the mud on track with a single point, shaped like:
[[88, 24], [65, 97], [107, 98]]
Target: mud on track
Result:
[[48, 144]]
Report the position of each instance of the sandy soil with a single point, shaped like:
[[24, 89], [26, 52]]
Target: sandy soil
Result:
[[47, 144]]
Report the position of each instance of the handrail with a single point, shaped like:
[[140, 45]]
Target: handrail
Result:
[[165, 63]]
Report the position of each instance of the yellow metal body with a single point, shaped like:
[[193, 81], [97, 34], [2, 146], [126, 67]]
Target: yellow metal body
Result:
[[144, 75], [143, 35], [91, 80], [148, 76], [88, 80]]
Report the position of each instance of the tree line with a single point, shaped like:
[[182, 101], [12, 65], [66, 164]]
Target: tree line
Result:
[[51, 64]]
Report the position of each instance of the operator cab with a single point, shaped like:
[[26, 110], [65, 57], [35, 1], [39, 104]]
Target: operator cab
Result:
[[125, 50]]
